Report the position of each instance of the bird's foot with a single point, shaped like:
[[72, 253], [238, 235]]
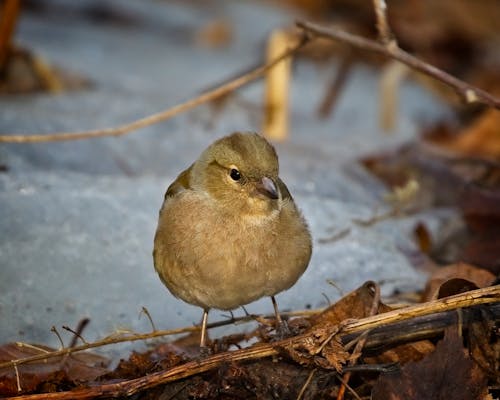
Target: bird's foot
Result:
[[282, 330], [205, 351]]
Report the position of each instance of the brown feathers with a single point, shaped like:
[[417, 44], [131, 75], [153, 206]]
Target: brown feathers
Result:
[[229, 232]]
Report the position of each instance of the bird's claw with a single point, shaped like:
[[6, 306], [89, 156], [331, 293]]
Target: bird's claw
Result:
[[205, 351], [282, 331]]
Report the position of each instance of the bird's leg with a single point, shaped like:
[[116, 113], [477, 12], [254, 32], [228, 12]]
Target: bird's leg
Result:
[[203, 340], [282, 329], [276, 312]]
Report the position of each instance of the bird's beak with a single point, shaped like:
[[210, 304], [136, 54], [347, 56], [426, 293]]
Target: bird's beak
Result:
[[268, 188]]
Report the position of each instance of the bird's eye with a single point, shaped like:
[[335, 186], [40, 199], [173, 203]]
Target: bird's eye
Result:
[[235, 174]]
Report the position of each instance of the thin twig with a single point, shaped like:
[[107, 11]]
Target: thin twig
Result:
[[258, 351], [335, 87], [361, 342], [54, 330], [336, 236], [162, 115], [393, 212], [384, 31], [145, 311], [463, 300], [470, 93], [18, 379], [346, 384], [77, 334], [306, 384], [486, 295], [130, 387], [32, 347], [132, 337]]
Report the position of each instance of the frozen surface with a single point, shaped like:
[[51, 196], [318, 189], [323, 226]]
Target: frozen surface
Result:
[[77, 219]]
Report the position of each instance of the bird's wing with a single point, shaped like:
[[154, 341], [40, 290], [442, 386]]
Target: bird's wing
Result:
[[180, 184], [285, 194]]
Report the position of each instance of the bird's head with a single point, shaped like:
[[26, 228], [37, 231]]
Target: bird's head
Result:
[[240, 172]]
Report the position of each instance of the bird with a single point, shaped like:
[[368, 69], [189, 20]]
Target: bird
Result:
[[229, 231]]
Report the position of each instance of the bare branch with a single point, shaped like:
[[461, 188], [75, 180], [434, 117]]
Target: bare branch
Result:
[[162, 115], [132, 337], [384, 31], [470, 93]]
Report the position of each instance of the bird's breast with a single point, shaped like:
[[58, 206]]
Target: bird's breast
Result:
[[214, 258]]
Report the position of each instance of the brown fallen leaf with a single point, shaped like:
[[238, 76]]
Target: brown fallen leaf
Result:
[[447, 373], [357, 304], [480, 205], [334, 355], [403, 353], [469, 184], [453, 277], [484, 346], [322, 348], [480, 139], [455, 286], [161, 357], [354, 305], [70, 370], [423, 238]]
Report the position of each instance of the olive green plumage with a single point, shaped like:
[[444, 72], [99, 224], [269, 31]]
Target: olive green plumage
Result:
[[229, 231]]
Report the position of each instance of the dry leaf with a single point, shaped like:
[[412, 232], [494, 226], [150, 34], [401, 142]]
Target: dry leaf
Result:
[[480, 206], [423, 238], [403, 353], [484, 345], [447, 373], [456, 274], [358, 304], [480, 139], [355, 305], [313, 350], [334, 356], [71, 369]]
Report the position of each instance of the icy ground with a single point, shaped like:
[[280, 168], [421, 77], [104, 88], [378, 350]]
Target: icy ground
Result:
[[77, 219]]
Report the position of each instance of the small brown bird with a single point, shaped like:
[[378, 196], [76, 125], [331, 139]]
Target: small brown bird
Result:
[[229, 232]]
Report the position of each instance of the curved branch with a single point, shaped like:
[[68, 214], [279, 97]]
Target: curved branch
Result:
[[162, 115], [470, 93]]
